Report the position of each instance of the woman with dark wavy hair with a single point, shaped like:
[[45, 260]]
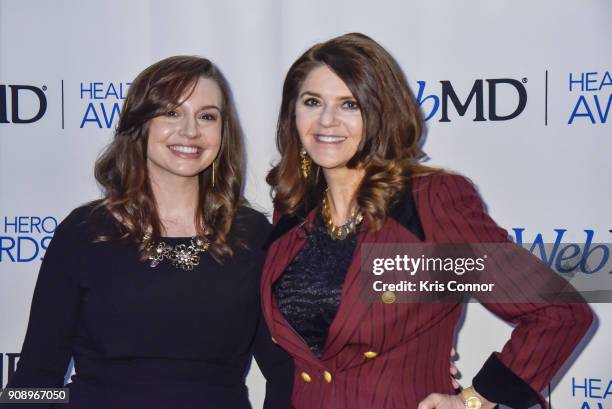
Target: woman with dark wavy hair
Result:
[[349, 135], [154, 290]]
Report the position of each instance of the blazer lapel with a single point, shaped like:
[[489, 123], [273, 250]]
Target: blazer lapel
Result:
[[354, 303], [402, 227]]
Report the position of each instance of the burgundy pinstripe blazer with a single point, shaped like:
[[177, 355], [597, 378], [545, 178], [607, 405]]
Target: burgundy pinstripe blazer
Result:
[[393, 355]]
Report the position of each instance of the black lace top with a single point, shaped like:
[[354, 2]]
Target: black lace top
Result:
[[309, 292]]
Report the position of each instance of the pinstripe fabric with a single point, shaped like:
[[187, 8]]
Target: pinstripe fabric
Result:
[[413, 340]]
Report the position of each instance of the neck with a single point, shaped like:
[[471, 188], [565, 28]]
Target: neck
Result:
[[342, 185], [177, 200]]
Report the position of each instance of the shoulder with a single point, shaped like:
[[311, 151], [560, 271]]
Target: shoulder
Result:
[[251, 226], [81, 214], [441, 189], [446, 194], [79, 217], [88, 221], [444, 181], [452, 210], [75, 228], [249, 217]]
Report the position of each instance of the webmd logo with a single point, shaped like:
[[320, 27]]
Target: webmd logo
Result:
[[594, 391], [594, 97], [25, 238], [445, 99], [587, 258], [22, 104], [104, 101]]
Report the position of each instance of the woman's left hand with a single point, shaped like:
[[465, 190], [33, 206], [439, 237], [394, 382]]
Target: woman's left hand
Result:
[[440, 401]]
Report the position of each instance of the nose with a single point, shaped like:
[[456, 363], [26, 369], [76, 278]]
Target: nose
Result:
[[189, 127], [328, 116]]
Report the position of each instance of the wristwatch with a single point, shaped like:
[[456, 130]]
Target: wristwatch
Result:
[[470, 399]]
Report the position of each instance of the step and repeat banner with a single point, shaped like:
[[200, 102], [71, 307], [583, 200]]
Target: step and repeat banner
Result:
[[517, 96]]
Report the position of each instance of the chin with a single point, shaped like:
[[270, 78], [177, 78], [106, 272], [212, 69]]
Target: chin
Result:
[[330, 163], [188, 172]]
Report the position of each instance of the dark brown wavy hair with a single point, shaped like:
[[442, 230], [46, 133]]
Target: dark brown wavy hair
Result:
[[121, 169], [389, 151]]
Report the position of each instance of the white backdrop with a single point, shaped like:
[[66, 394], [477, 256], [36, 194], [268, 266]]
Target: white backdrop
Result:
[[542, 171]]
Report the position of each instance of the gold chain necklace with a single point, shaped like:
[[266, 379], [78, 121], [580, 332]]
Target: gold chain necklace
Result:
[[182, 256], [342, 231]]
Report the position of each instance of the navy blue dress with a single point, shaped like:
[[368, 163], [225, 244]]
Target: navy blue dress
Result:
[[145, 337]]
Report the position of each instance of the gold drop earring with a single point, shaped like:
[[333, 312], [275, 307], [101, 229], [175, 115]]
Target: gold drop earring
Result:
[[305, 163], [213, 174]]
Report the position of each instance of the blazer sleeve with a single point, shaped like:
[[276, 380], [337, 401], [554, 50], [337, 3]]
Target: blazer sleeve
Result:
[[48, 343], [544, 335]]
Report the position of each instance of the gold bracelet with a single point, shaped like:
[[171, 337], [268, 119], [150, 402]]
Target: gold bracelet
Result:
[[471, 400]]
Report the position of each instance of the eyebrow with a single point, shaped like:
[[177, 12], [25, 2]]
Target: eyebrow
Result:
[[314, 94], [205, 107]]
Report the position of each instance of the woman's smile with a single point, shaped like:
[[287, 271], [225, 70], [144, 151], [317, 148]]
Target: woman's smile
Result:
[[186, 151]]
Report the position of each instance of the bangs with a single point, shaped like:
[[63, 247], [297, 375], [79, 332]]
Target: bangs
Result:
[[170, 92]]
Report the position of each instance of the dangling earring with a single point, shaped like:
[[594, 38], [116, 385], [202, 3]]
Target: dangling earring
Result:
[[213, 174], [305, 163]]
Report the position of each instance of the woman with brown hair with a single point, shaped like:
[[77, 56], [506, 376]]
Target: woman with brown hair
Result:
[[154, 290], [349, 134]]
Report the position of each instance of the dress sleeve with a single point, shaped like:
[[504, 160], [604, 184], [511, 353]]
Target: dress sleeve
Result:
[[545, 334], [48, 343], [276, 366]]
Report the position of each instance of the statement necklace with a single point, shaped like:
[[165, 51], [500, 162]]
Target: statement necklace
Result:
[[339, 232], [182, 256]]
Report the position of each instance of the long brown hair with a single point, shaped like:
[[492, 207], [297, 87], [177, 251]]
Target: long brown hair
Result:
[[121, 170], [389, 151]]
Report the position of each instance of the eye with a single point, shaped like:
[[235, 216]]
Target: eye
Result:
[[208, 116], [172, 113], [311, 102], [350, 104]]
